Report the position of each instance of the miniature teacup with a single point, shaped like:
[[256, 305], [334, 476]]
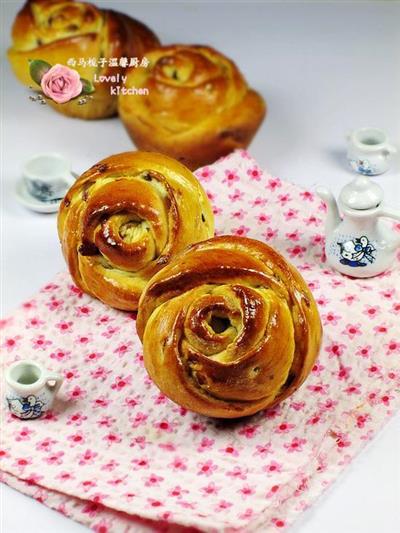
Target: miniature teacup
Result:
[[30, 389], [47, 176], [369, 151]]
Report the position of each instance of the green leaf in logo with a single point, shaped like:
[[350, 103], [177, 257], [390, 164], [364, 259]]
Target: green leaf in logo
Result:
[[37, 69], [87, 86]]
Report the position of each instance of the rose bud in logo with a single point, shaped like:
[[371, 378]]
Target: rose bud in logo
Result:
[[61, 84]]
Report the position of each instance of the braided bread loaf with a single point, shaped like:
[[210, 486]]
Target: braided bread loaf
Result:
[[56, 30], [199, 106], [125, 218], [229, 327]]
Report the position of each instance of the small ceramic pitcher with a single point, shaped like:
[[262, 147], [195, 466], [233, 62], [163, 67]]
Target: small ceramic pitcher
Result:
[[30, 389], [369, 151]]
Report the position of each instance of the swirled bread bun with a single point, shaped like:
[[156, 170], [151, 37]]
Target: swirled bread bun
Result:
[[229, 327], [125, 219], [57, 30], [198, 108]]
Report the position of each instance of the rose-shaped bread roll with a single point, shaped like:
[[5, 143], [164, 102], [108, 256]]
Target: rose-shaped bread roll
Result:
[[58, 30], [198, 108], [229, 327], [125, 218]]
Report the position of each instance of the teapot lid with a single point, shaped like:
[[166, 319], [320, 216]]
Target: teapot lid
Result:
[[361, 193]]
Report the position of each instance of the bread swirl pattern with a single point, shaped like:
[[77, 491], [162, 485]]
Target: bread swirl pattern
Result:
[[56, 30], [228, 328], [199, 106], [125, 218]]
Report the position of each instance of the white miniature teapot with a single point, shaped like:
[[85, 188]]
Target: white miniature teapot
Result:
[[361, 244]]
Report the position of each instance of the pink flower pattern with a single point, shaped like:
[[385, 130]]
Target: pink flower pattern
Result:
[[114, 442]]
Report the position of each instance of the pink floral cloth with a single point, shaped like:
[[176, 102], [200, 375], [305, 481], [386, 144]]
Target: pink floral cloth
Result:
[[118, 456]]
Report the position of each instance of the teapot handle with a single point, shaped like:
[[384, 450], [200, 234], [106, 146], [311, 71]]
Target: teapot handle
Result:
[[53, 381], [389, 212], [389, 149]]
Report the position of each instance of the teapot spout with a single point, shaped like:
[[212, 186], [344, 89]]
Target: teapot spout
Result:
[[333, 217]]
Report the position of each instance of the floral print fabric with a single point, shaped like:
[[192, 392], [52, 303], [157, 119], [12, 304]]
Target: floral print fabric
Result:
[[118, 456]]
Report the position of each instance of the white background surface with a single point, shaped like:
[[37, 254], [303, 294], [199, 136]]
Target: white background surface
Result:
[[324, 68]]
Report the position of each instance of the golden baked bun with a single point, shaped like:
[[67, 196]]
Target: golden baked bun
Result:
[[57, 30], [198, 108], [229, 327], [126, 218]]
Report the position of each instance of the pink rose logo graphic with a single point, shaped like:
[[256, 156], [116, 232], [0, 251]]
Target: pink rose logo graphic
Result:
[[61, 84]]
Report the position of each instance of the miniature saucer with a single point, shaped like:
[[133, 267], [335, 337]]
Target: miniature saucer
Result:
[[27, 200]]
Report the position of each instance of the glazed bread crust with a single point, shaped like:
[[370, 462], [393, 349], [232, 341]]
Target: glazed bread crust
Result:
[[126, 218], [56, 30], [229, 327], [199, 106]]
